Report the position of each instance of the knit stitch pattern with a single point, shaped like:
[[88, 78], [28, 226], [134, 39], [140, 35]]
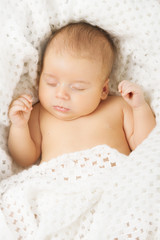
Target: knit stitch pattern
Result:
[[121, 199]]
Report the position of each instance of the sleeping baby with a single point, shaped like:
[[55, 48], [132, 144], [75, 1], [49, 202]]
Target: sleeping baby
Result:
[[74, 111]]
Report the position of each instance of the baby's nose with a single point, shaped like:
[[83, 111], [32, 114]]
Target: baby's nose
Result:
[[62, 93]]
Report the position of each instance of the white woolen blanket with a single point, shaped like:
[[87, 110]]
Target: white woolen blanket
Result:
[[135, 26], [92, 194]]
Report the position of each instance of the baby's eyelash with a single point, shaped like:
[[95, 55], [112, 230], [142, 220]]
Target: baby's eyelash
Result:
[[52, 84], [78, 89]]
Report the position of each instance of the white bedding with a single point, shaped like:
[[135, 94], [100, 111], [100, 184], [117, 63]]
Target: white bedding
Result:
[[135, 26], [92, 194], [26, 24]]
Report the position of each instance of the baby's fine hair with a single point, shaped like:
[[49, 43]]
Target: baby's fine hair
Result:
[[84, 40]]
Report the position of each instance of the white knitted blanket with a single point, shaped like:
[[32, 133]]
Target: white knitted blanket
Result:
[[116, 203], [92, 194]]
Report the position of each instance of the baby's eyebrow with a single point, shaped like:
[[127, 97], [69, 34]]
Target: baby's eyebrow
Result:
[[48, 75], [81, 81]]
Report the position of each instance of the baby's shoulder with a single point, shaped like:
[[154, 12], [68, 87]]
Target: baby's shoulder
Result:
[[114, 98], [117, 101], [114, 101], [36, 106], [115, 104]]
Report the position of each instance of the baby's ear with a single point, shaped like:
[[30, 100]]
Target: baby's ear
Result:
[[105, 90]]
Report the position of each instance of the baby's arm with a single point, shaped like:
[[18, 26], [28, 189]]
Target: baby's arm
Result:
[[20, 143], [140, 120]]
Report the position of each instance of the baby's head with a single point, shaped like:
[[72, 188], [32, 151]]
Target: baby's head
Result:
[[76, 66], [86, 41]]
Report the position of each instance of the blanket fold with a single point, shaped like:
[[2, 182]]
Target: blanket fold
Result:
[[96, 193]]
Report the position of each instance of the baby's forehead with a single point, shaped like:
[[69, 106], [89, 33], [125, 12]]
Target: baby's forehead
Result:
[[62, 43], [60, 51]]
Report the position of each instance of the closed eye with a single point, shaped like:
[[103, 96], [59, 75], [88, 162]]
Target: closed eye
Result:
[[78, 87], [51, 82]]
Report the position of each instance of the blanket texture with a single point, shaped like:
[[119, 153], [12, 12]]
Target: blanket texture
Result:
[[97, 193], [26, 25], [92, 194]]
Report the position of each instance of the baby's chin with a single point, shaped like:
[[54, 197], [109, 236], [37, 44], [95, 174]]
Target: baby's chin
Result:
[[66, 117], [69, 117]]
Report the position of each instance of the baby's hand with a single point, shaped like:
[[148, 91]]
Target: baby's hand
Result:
[[20, 110], [131, 93]]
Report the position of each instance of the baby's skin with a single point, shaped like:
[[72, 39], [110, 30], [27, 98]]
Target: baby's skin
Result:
[[74, 111], [119, 122]]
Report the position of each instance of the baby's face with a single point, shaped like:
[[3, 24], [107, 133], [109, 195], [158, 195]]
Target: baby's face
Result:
[[70, 87]]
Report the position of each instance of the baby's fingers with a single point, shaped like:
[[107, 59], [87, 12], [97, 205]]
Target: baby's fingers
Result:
[[19, 105], [126, 88], [128, 91], [23, 101], [19, 108], [27, 97], [122, 86]]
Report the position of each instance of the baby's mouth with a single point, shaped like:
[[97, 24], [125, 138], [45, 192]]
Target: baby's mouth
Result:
[[61, 109]]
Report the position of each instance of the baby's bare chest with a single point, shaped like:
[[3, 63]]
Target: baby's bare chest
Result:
[[59, 137], [67, 131]]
